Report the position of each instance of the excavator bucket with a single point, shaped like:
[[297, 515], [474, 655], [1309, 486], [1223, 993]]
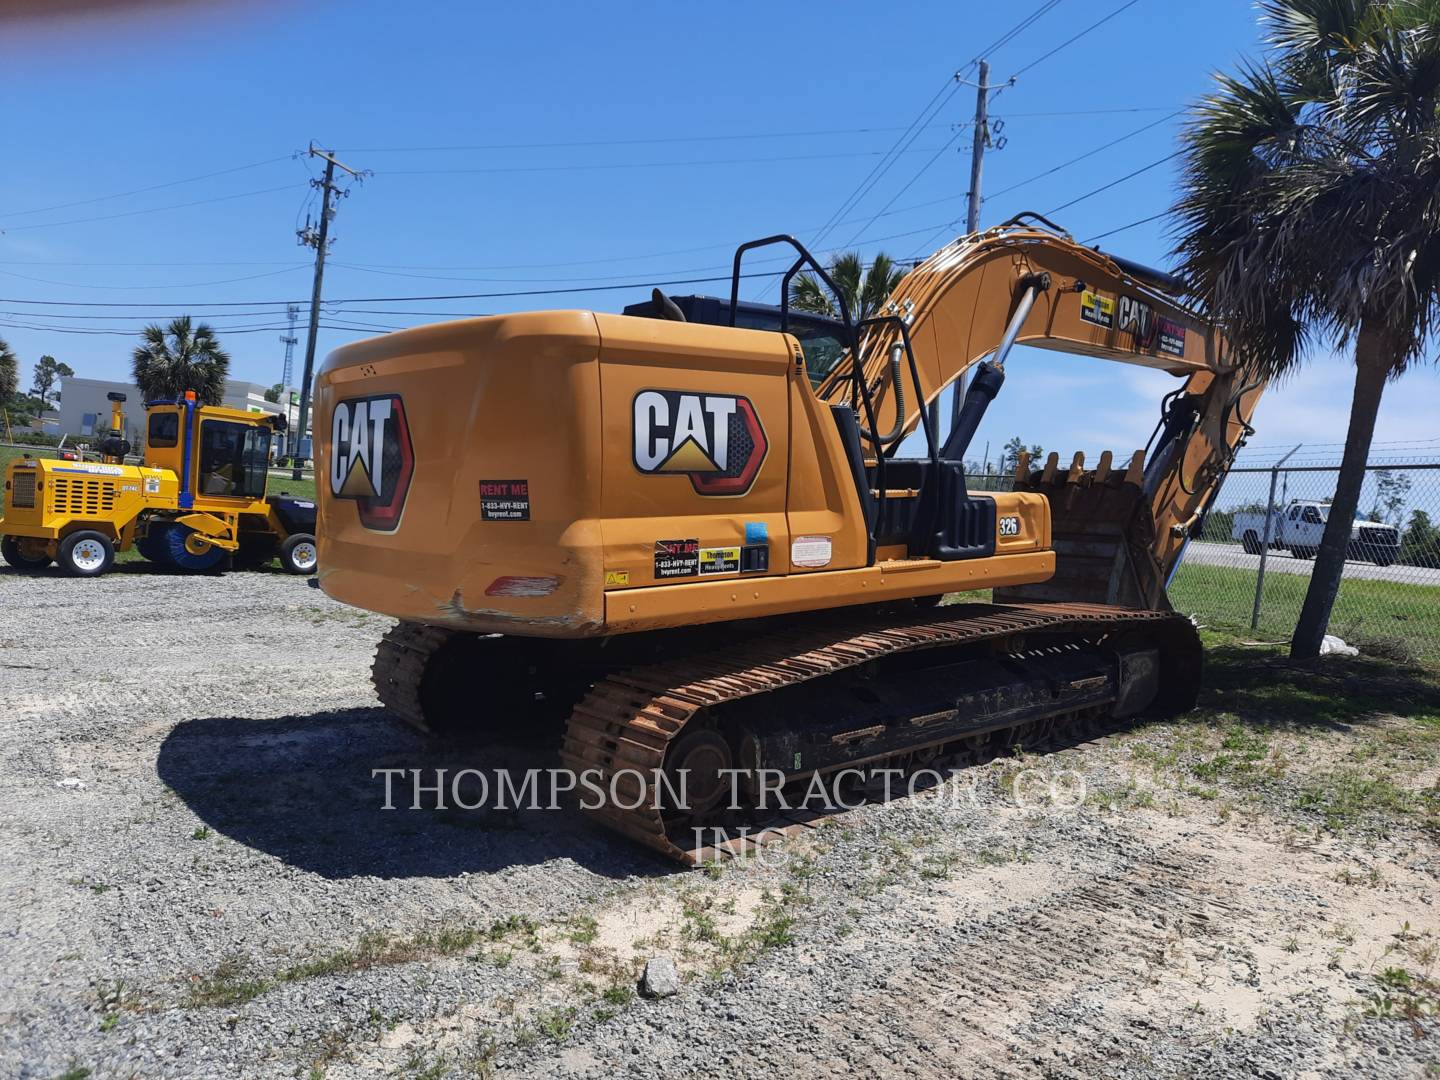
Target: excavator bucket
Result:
[[1101, 531]]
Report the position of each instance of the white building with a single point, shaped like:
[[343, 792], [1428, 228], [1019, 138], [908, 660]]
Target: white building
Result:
[[85, 409]]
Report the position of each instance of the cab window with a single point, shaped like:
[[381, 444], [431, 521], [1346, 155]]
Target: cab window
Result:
[[819, 341], [233, 460], [164, 431]]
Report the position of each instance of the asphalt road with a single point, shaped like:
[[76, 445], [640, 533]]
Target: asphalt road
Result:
[[1282, 562]]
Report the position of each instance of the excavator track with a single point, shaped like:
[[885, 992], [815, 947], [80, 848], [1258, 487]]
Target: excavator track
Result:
[[623, 728], [399, 669]]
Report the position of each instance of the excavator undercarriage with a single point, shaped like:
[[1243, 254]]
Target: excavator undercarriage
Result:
[[737, 730], [697, 704]]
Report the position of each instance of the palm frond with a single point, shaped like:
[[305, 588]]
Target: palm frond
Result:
[[807, 294]]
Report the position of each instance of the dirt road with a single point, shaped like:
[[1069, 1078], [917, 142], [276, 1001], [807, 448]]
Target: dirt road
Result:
[[199, 879]]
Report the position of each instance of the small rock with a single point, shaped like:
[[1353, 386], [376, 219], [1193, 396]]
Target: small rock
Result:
[[71, 783], [661, 978]]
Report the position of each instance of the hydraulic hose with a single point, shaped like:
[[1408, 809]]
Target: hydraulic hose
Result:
[[896, 352]]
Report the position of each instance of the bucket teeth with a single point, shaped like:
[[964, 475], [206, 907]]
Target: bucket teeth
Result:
[[1102, 471], [1077, 475]]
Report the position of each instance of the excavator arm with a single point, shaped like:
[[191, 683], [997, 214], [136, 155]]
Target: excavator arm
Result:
[[1119, 529]]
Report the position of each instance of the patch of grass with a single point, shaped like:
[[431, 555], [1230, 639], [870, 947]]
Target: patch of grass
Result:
[[231, 982], [74, 1072], [1388, 619], [583, 929], [1345, 798], [775, 931], [552, 1024], [1403, 994], [202, 833], [379, 949], [938, 867], [618, 995], [420, 1067]]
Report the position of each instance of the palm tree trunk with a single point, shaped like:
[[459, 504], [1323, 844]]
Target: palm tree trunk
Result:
[[1373, 363]]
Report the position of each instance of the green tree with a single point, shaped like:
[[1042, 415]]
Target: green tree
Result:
[[273, 394], [47, 373], [1420, 545], [9, 373], [171, 360], [1308, 212], [865, 291], [1010, 454], [1391, 491]]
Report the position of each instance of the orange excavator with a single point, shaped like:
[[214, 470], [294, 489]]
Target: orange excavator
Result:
[[689, 533]]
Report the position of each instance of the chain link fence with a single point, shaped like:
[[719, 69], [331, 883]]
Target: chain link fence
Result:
[[1238, 577], [1250, 566]]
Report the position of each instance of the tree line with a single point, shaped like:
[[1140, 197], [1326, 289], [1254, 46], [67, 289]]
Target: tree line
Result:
[[169, 361], [23, 407]]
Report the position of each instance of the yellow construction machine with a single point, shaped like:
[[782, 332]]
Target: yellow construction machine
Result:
[[197, 499], [688, 530]]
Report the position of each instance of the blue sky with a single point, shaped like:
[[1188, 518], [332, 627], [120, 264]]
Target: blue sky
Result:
[[666, 136]]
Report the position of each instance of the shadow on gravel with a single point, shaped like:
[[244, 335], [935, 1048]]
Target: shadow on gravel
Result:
[[301, 789]]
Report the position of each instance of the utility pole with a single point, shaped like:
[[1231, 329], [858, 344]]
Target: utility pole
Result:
[[320, 240], [287, 372], [977, 148], [979, 143]]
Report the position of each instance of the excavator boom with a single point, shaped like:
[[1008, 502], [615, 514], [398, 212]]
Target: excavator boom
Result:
[[1033, 285]]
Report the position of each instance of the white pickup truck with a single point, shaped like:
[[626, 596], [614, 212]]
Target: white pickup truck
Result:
[[1300, 525]]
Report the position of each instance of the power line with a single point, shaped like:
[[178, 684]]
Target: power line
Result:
[[1113, 183], [152, 210], [1070, 41], [143, 190], [187, 285], [1088, 153], [333, 304], [1088, 112], [1015, 31], [675, 139], [76, 262], [923, 169], [931, 109], [126, 331], [586, 167], [147, 316], [859, 191], [1123, 228]]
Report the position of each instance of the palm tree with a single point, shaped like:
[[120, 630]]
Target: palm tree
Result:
[[174, 359], [1310, 211], [9, 372], [865, 291]]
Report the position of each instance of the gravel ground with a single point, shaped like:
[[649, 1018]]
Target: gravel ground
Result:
[[199, 880]]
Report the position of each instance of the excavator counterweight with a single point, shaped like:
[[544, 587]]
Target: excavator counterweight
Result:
[[662, 525]]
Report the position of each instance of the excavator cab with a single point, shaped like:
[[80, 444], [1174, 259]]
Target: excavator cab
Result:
[[914, 507], [823, 339]]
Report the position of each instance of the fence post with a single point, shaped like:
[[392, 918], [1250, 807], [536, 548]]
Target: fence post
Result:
[[1265, 542]]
